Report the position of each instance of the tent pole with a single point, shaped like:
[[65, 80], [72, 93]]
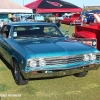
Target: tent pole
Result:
[[34, 12]]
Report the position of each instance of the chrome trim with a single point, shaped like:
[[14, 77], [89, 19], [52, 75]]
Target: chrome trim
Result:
[[59, 72]]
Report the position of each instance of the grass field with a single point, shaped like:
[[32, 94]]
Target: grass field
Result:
[[69, 28], [63, 88]]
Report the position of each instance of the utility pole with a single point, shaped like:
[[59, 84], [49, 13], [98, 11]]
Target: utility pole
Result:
[[23, 2]]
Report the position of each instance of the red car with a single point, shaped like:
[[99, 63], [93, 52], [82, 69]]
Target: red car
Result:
[[74, 19]]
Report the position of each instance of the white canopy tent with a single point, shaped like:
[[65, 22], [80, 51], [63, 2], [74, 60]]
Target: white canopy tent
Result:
[[7, 6]]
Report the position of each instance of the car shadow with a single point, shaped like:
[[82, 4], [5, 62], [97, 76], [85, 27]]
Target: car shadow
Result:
[[46, 78]]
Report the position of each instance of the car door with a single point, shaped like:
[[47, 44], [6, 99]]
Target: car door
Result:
[[5, 48]]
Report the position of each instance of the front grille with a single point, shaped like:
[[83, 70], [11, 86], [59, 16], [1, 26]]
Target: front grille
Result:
[[63, 60], [77, 21]]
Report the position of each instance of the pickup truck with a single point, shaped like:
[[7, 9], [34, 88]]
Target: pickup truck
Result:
[[89, 32], [74, 19]]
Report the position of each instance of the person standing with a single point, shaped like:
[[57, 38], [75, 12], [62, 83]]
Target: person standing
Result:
[[14, 19], [84, 20], [58, 23]]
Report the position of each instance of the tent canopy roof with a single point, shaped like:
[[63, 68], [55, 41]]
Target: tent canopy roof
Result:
[[94, 11], [43, 6], [7, 6]]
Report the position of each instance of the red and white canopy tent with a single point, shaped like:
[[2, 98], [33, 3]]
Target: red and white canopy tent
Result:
[[50, 6]]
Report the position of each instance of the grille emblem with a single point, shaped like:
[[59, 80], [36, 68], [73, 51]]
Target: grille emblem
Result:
[[63, 57]]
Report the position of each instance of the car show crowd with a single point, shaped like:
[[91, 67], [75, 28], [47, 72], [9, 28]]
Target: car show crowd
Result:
[[57, 18]]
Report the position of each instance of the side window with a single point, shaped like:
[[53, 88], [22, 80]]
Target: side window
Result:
[[5, 31]]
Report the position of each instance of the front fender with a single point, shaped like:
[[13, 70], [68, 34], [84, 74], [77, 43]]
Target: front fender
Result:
[[85, 34]]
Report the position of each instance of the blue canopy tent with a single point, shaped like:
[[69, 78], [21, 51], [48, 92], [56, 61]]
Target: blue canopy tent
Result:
[[95, 11]]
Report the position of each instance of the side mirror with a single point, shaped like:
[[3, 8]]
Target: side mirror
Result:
[[73, 35], [67, 34]]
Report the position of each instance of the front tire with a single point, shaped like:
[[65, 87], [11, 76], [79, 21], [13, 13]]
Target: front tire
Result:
[[82, 74], [19, 79]]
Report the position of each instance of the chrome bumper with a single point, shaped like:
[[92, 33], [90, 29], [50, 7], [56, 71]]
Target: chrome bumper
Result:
[[34, 74]]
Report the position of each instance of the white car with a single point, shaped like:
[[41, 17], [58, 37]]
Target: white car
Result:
[[35, 17]]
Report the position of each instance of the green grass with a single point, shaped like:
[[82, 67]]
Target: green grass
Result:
[[69, 28], [63, 88]]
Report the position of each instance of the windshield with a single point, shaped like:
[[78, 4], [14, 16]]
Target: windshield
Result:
[[36, 31]]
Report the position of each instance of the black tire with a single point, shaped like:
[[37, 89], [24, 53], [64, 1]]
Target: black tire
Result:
[[82, 74], [17, 75]]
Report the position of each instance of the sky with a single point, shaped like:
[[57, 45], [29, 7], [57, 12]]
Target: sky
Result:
[[79, 3]]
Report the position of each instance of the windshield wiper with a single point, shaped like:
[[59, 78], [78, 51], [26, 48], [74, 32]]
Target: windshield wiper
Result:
[[42, 36], [47, 36]]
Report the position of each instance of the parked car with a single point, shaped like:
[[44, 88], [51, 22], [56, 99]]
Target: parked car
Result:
[[39, 49], [61, 16], [90, 18], [91, 31], [50, 18], [73, 19], [35, 17]]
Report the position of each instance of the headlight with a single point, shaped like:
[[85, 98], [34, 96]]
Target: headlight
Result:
[[31, 63], [42, 62], [86, 57], [92, 56]]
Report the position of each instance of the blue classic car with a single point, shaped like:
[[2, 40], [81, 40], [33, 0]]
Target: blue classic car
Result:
[[90, 18], [39, 49]]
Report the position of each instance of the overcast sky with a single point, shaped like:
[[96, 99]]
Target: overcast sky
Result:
[[79, 3]]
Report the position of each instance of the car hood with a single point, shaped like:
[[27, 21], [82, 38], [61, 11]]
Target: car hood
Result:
[[50, 47], [76, 15]]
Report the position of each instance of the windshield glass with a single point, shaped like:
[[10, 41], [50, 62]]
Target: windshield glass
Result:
[[36, 31]]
